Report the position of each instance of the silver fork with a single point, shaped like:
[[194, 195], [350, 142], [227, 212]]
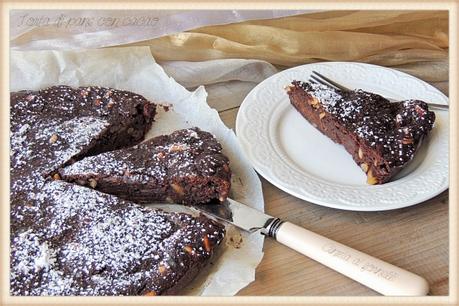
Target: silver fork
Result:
[[321, 79]]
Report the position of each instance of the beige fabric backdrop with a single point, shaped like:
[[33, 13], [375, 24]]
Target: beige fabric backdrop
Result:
[[412, 41]]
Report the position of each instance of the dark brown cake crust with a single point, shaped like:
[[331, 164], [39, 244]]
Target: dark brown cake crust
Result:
[[71, 240], [90, 243], [381, 136], [185, 167]]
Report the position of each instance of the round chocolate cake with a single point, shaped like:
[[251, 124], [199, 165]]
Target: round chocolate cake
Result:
[[68, 239]]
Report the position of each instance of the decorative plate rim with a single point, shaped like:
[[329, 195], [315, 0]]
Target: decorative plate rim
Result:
[[254, 131]]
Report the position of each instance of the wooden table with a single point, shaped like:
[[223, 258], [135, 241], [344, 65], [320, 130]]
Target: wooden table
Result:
[[414, 238]]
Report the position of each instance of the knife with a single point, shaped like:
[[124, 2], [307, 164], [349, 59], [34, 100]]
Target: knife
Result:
[[374, 273]]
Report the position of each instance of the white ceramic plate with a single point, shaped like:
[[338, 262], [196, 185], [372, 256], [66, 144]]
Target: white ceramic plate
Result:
[[294, 156]]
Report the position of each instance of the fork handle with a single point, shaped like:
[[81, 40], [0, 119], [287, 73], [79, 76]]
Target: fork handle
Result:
[[317, 77], [435, 106], [376, 274]]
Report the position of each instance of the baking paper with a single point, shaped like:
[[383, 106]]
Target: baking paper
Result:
[[135, 70]]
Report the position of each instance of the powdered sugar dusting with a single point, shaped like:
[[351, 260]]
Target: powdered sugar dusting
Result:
[[71, 240], [326, 96], [188, 152], [394, 129], [71, 137], [105, 240]]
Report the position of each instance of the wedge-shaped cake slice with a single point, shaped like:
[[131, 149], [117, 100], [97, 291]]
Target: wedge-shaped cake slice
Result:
[[381, 136], [186, 167]]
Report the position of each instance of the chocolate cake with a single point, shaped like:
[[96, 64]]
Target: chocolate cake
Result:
[[90, 243], [55, 126], [185, 167], [60, 124], [72, 240], [382, 136]]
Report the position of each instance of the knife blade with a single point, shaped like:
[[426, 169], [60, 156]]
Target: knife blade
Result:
[[374, 273], [238, 214]]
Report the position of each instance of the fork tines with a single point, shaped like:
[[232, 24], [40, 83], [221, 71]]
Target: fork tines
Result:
[[314, 79], [326, 81]]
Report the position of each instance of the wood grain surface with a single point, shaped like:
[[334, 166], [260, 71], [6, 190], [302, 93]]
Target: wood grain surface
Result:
[[414, 238]]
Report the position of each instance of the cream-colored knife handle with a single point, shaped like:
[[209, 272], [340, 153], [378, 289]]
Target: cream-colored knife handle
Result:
[[376, 274]]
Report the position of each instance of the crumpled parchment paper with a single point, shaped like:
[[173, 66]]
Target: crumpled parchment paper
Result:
[[135, 70]]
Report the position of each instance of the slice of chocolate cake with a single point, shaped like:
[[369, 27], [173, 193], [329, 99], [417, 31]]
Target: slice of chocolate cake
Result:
[[90, 243], [185, 167], [381, 136]]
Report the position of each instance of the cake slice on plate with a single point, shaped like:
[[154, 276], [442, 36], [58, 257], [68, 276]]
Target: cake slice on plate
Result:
[[382, 136], [185, 167]]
